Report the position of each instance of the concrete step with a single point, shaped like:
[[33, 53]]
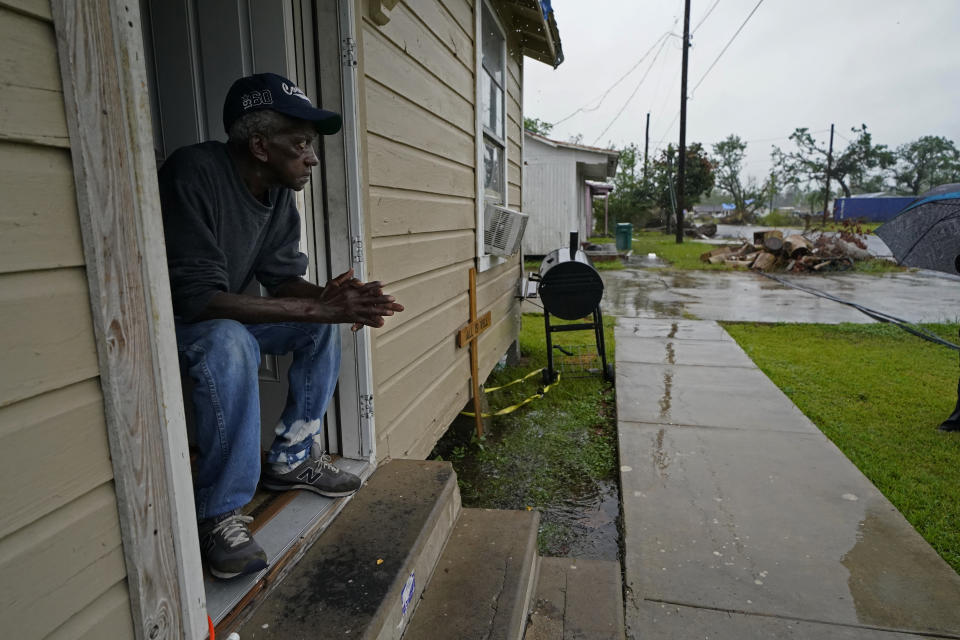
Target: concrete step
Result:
[[365, 574], [577, 600], [484, 581]]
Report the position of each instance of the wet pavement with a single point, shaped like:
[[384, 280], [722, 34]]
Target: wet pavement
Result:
[[749, 296], [741, 519]]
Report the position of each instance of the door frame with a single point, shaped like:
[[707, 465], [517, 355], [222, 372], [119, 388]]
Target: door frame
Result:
[[343, 187], [101, 54]]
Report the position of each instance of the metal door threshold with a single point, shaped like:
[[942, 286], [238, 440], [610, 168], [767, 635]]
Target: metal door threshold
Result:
[[282, 533]]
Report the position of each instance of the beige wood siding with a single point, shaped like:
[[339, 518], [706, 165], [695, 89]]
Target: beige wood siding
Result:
[[417, 95], [61, 561]]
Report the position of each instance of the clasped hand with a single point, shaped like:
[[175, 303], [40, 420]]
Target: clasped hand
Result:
[[362, 303]]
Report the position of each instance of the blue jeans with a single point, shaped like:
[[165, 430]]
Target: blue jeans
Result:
[[222, 357]]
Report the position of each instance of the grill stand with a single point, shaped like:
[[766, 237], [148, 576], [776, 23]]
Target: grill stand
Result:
[[550, 375]]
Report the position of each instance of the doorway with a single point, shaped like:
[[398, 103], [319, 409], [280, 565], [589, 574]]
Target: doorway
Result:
[[194, 50]]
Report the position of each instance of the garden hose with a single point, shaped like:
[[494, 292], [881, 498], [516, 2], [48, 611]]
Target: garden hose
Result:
[[879, 316]]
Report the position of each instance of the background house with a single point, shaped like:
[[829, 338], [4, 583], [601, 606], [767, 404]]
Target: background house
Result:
[[98, 538], [556, 195]]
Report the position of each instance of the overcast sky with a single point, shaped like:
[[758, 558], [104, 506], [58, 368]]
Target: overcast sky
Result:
[[891, 64]]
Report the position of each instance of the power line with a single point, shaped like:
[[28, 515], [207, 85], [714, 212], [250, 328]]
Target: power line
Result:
[[585, 108], [713, 64], [705, 16], [635, 89], [717, 59], [669, 88]]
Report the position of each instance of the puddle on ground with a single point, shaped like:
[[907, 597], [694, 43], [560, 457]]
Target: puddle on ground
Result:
[[583, 517], [682, 280], [887, 565], [585, 526]]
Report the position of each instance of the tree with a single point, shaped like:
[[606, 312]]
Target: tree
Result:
[[728, 155], [699, 179], [926, 163], [853, 167], [629, 201], [536, 125]]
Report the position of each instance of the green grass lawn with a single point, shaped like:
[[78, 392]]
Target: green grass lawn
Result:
[[879, 394], [680, 256], [550, 454]]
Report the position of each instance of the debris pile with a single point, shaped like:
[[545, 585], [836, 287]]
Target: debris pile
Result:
[[771, 251], [700, 231]]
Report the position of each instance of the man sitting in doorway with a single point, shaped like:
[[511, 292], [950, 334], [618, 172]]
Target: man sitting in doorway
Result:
[[229, 216]]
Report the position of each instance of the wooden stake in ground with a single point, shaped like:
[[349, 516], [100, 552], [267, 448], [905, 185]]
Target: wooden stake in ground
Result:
[[469, 334]]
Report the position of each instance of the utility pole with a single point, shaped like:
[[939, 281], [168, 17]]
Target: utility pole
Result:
[[773, 189], [646, 149], [682, 161], [826, 197]]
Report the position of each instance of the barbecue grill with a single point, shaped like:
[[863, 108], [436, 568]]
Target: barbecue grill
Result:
[[571, 289]]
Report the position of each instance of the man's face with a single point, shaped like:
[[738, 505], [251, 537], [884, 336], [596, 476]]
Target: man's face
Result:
[[290, 156]]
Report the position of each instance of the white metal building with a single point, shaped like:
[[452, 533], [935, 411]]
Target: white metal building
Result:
[[556, 195]]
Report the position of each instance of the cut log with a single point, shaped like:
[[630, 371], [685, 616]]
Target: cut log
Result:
[[796, 246], [773, 241], [719, 251], [851, 250], [764, 262], [760, 236], [738, 264]]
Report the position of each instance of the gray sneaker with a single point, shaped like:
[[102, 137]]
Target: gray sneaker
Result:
[[229, 547], [316, 474]]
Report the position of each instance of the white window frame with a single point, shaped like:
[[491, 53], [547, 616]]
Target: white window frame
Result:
[[487, 261]]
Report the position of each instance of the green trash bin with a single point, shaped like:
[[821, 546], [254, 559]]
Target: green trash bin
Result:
[[624, 236]]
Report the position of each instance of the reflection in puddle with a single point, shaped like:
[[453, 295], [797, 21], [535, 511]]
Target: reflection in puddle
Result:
[[666, 399], [589, 524], [895, 583], [660, 458], [682, 280]]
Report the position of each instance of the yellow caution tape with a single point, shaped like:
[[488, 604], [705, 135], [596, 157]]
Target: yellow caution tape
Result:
[[518, 380], [511, 409]]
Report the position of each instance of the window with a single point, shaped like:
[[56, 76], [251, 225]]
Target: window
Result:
[[491, 113]]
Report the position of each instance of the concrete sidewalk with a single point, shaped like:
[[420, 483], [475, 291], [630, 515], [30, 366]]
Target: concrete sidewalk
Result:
[[742, 520]]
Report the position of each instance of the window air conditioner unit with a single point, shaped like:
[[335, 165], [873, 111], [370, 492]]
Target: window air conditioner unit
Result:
[[502, 230]]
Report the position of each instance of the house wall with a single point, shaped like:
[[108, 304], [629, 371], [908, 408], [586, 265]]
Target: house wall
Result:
[[419, 168], [550, 197], [61, 562]]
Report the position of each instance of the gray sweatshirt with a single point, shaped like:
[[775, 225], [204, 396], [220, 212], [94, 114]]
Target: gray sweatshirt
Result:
[[218, 236]]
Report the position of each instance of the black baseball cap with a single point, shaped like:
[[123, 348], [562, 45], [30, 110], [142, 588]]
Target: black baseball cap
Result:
[[274, 92]]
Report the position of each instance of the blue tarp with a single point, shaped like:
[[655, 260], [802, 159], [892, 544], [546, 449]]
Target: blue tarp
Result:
[[727, 207], [546, 8], [879, 209]]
